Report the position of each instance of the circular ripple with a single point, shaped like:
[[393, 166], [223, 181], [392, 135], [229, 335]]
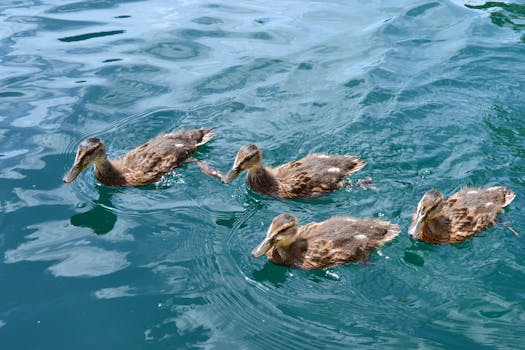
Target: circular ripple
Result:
[[177, 50]]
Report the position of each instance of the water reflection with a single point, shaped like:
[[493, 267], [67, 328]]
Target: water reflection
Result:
[[88, 36], [71, 252], [272, 273], [100, 218], [114, 292], [504, 14]]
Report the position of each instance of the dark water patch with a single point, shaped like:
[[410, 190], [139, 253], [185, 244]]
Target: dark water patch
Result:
[[230, 9], [414, 42], [262, 20], [276, 275], [271, 92], [89, 5], [84, 50], [420, 10], [15, 80], [413, 258], [8, 94], [90, 36], [448, 83], [197, 34], [52, 24], [100, 218], [377, 95], [354, 83], [205, 20], [109, 60], [128, 41], [261, 36], [305, 66], [126, 71]]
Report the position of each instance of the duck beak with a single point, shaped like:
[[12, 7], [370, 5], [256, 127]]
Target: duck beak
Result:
[[72, 174], [263, 247], [416, 226], [232, 174]]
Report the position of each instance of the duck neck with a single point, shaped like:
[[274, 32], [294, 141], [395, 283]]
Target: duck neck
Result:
[[279, 255], [261, 180], [107, 173]]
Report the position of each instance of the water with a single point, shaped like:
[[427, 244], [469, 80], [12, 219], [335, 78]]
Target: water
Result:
[[430, 94]]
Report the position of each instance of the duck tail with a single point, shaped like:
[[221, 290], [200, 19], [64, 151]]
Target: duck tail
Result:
[[207, 135], [392, 231], [359, 164], [508, 195]]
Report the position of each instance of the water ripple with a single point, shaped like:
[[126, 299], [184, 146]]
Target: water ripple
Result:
[[429, 93]]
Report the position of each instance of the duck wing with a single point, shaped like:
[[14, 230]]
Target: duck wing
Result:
[[472, 210], [316, 173], [342, 239], [150, 161]]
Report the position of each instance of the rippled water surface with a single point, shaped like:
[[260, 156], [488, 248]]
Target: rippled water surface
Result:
[[430, 94]]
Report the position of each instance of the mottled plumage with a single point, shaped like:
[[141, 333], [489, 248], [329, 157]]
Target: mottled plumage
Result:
[[311, 176], [317, 245], [142, 165], [460, 216]]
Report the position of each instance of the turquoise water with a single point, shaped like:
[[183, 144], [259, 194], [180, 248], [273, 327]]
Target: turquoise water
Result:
[[430, 94]]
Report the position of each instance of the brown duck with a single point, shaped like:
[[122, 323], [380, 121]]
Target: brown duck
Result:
[[460, 216], [311, 176], [144, 164], [317, 245]]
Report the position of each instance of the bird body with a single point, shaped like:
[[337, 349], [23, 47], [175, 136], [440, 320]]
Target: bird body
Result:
[[143, 165], [312, 176], [336, 241], [460, 216]]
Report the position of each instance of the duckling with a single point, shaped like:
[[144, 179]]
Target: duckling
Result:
[[143, 165], [311, 176], [317, 245], [460, 216]]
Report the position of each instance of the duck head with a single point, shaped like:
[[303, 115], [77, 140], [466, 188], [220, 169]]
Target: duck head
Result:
[[249, 157], [89, 151], [429, 207], [281, 233]]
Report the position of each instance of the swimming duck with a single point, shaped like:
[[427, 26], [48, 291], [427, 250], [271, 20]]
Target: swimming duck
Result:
[[311, 176], [142, 165], [460, 216], [317, 245]]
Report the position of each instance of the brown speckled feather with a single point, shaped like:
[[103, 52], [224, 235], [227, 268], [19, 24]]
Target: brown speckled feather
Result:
[[311, 176], [466, 213], [150, 161], [332, 242]]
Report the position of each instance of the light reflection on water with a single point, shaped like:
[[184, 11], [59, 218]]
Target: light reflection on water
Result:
[[428, 93]]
